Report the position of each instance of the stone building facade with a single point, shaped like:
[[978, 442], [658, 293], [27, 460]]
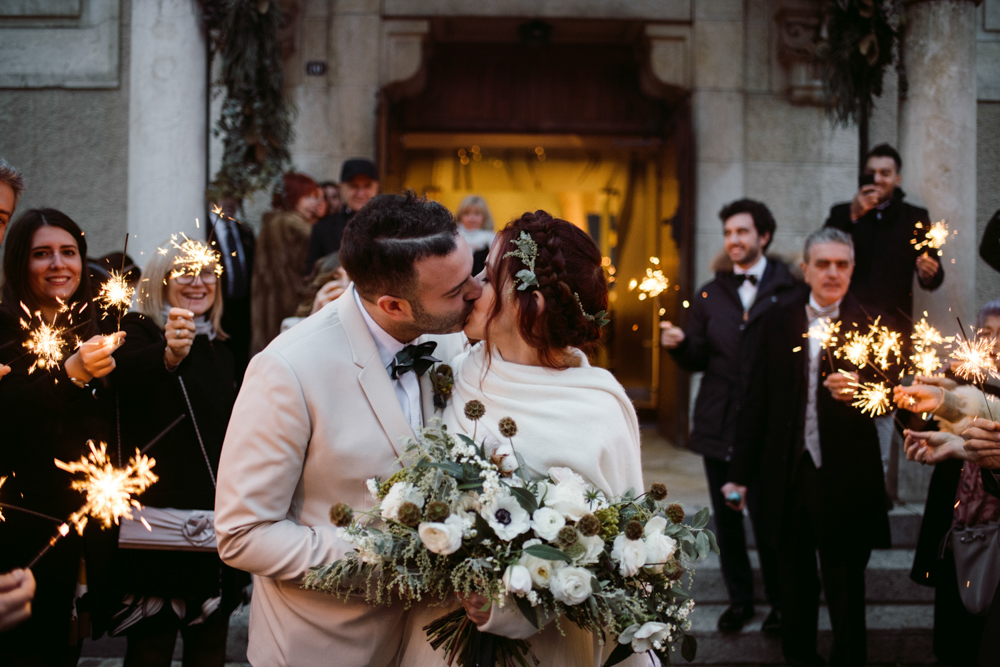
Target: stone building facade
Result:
[[106, 106]]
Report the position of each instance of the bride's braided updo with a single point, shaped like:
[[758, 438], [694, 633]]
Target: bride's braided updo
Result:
[[570, 278]]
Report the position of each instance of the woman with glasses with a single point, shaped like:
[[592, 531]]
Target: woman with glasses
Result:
[[174, 366]]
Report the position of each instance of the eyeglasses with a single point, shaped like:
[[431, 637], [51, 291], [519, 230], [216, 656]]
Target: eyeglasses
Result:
[[207, 276]]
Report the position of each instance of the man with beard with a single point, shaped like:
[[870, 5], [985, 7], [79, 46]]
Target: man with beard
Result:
[[721, 338], [325, 407], [815, 459], [358, 184]]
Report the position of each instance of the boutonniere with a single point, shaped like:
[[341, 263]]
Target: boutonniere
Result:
[[442, 381]]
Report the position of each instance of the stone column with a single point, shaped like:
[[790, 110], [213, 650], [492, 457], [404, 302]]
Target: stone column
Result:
[[938, 144], [166, 152]]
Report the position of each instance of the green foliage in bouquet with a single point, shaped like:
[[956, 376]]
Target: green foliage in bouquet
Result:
[[858, 40], [457, 520], [256, 120]]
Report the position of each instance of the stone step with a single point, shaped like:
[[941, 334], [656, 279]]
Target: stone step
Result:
[[897, 634], [904, 524], [114, 647], [887, 579]]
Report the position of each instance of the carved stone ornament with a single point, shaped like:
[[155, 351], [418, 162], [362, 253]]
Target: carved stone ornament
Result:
[[797, 32]]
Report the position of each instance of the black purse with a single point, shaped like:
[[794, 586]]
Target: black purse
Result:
[[977, 564]]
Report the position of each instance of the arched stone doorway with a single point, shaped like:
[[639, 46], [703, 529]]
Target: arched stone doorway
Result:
[[568, 117]]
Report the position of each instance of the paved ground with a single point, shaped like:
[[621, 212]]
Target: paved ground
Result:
[[681, 471]]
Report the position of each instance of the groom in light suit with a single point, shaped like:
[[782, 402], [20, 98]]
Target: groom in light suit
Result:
[[326, 406]]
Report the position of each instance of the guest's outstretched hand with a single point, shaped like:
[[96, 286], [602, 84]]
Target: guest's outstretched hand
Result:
[[670, 336], [94, 358], [933, 446], [982, 443], [17, 590], [180, 333], [918, 398], [4, 370]]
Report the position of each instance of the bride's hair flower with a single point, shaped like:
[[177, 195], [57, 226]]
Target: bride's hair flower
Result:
[[508, 428], [658, 491], [437, 511], [633, 530], [675, 513], [589, 525], [341, 515], [409, 514], [507, 518], [475, 410]]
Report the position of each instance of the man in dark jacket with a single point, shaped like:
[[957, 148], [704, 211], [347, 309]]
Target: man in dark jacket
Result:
[[815, 459], [235, 242], [358, 184], [885, 233], [720, 339]]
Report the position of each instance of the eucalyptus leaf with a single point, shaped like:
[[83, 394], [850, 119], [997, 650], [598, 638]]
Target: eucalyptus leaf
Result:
[[527, 610], [712, 542], [525, 498], [546, 552], [702, 545], [621, 653], [467, 440], [689, 648], [700, 519]]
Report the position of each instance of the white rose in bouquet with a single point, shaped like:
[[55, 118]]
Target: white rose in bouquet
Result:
[[517, 579], [540, 569], [629, 554], [646, 636], [568, 498], [655, 525], [571, 585], [401, 492], [507, 518], [546, 523], [659, 549], [559, 474], [594, 545], [442, 538]]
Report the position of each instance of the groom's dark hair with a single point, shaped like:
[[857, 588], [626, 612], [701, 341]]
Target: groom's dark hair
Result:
[[384, 239]]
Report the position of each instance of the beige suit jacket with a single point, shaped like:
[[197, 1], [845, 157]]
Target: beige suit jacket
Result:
[[317, 416]]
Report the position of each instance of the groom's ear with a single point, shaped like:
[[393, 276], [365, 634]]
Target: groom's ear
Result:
[[395, 308]]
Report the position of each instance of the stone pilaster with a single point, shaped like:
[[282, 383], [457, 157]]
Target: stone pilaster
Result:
[[166, 152], [938, 143]]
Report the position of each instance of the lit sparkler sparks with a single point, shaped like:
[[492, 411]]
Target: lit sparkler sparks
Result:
[[654, 284], [108, 489], [194, 257], [116, 293], [924, 335], [825, 331], [855, 348], [872, 397], [45, 341], [925, 338], [934, 238], [976, 357], [885, 343], [926, 362], [2, 480]]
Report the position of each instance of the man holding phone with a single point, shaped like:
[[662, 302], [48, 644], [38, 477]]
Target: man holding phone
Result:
[[883, 228]]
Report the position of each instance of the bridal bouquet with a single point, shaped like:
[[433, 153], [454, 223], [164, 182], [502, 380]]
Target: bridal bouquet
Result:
[[461, 519]]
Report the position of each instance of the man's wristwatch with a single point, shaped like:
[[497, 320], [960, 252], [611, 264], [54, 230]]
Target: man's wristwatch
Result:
[[77, 382]]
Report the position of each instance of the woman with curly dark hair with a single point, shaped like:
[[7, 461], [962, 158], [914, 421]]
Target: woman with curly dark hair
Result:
[[541, 313]]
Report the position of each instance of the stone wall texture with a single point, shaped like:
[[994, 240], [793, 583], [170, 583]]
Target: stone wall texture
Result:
[[987, 194]]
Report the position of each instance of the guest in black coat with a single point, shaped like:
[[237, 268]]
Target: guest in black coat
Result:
[[235, 242], [48, 412], [884, 229], [358, 184], [721, 338], [989, 247], [816, 460], [175, 363]]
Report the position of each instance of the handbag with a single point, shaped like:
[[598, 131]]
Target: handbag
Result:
[[166, 528], [977, 564]]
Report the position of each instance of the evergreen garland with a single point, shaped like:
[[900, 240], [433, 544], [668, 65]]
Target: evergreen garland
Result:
[[256, 120], [858, 40]]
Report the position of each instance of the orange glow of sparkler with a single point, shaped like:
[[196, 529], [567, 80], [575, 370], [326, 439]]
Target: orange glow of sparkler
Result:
[[855, 348], [194, 257], [654, 284], [2, 480], [108, 489], [934, 238], [976, 357], [926, 362], [825, 331], [45, 342], [885, 343], [871, 397], [116, 293]]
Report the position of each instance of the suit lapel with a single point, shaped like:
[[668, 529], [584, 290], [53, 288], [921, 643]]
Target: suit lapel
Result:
[[373, 377]]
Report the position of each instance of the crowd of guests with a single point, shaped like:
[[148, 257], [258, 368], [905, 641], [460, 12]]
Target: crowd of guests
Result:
[[774, 422], [772, 419]]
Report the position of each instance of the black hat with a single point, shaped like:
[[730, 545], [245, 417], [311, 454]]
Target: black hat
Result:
[[358, 167]]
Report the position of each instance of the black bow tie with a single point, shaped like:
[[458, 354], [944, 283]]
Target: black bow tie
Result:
[[416, 358], [744, 277]]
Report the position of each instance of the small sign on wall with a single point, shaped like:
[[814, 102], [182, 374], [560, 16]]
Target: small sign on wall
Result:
[[316, 68]]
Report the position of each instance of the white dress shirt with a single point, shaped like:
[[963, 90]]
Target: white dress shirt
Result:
[[748, 291], [407, 385], [812, 417]]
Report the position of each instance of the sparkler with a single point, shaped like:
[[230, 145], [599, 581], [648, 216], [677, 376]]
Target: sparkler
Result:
[[934, 238], [885, 343], [108, 489], [654, 284], [855, 348], [825, 331], [871, 397], [45, 342], [116, 293], [193, 258], [977, 361]]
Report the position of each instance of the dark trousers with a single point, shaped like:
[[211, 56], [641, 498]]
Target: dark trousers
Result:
[[842, 566], [151, 641], [956, 631], [729, 532]]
